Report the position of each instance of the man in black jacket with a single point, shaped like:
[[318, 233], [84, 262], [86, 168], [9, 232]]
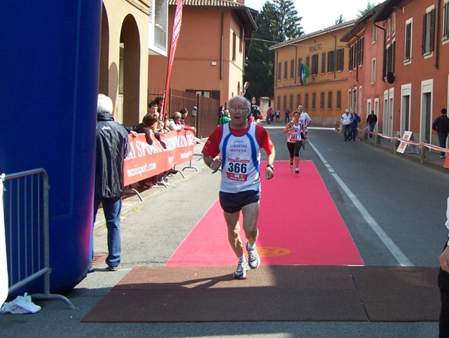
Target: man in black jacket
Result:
[[441, 126], [111, 149], [371, 120]]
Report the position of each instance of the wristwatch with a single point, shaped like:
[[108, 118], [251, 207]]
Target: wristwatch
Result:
[[270, 166]]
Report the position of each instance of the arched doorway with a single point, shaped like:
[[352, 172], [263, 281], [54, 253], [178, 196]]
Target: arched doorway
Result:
[[103, 85], [129, 72]]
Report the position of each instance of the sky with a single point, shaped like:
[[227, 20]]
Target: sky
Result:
[[319, 14]]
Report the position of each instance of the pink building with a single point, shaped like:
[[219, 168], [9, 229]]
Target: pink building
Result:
[[399, 65]]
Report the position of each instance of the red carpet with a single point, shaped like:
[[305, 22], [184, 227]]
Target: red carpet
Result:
[[299, 224]]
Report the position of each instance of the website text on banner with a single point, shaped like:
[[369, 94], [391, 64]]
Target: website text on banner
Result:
[[146, 160]]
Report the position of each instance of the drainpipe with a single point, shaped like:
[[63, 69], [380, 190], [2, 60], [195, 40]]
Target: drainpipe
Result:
[[437, 44], [221, 45], [385, 48], [357, 66], [335, 55], [296, 69]]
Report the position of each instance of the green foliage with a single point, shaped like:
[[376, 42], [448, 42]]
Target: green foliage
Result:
[[339, 20], [369, 6], [276, 22]]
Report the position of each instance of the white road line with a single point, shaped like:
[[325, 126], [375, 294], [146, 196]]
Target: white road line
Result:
[[386, 240]]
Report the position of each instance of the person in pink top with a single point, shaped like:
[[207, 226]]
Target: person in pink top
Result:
[[234, 148]]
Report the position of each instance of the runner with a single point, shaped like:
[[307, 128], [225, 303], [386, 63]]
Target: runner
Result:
[[238, 143], [295, 130]]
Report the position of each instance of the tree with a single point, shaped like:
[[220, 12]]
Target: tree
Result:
[[288, 24], [369, 6], [276, 22], [339, 20]]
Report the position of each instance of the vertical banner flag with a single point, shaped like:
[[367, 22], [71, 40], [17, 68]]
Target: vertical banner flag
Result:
[[174, 42], [3, 260], [303, 73]]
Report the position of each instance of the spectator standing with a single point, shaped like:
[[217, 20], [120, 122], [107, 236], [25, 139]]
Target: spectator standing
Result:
[[255, 111], [152, 108], [286, 116], [225, 118], [146, 127], [221, 111], [354, 125], [441, 126], [175, 121], [111, 149], [269, 115], [239, 143], [346, 120], [278, 115], [371, 120], [184, 113]]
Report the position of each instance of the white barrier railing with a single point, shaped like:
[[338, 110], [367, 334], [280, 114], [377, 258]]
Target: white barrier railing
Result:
[[26, 220]]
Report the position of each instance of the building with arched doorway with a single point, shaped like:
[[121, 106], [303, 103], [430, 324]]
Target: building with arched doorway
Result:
[[126, 31]]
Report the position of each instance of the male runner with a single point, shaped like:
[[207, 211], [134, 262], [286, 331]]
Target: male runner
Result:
[[238, 143]]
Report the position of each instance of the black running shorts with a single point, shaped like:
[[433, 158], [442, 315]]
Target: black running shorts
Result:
[[231, 203]]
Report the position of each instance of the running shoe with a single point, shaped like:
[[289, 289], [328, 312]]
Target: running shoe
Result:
[[253, 257], [297, 170], [291, 167], [240, 272]]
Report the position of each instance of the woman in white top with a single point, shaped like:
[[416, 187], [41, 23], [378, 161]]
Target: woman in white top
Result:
[[294, 130]]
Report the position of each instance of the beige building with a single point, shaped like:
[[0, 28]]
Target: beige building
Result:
[[325, 94], [131, 30]]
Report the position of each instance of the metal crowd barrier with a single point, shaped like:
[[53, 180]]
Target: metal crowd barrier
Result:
[[26, 212]]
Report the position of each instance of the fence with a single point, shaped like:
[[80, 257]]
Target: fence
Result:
[[206, 118], [26, 211]]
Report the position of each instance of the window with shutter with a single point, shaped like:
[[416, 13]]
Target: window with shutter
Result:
[[340, 59], [323, 63], [428, 31], [350, 61], [314, 64], [408, 41], [446, 20], [292, 69]]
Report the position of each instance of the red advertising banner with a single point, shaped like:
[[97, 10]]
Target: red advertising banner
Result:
[[146, 160], [174, 43]]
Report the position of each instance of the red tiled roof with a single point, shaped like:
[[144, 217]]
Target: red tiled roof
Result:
[[208, 3]]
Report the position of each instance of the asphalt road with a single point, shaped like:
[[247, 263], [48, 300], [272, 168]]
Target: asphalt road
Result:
[[394, 209]]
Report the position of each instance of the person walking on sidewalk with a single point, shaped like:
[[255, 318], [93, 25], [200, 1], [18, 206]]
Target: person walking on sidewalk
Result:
[[239, 143], [354, 125], [441, 126], [112, 148], [346, 120], [371, 120], [295, 130]]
